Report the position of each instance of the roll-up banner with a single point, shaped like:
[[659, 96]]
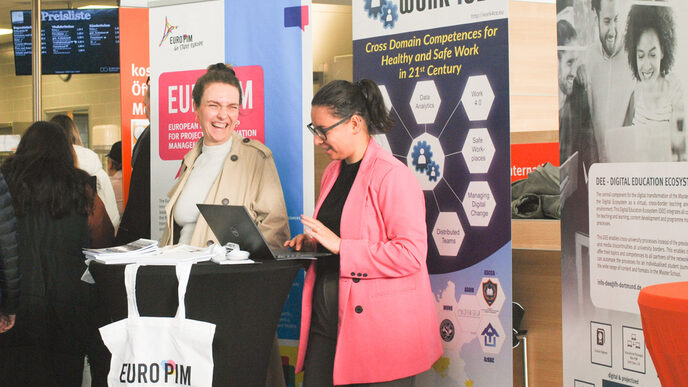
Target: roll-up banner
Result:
[[134, 70], [275, 56], [184, 39], [624, 178], [278, 57], [443, 70]]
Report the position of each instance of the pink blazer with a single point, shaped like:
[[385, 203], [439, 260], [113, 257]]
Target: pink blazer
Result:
[[387, 322]]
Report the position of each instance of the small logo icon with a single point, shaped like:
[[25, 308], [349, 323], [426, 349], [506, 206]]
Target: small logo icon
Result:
[[235, 232], [388, 14], [422, 156], [490, 335], [600, 336], [489, 292], [169, 366], [383, 10], [433, 171], [447, 330], [168, 30]]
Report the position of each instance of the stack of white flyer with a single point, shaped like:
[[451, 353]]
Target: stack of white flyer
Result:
[[146, 252], [128, 253]]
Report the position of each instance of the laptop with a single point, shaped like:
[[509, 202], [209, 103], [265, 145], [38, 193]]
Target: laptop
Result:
[[234, 224], [638, 143]]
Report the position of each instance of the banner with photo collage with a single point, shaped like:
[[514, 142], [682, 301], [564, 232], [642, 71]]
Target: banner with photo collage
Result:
[[623, 178], [443, 70]]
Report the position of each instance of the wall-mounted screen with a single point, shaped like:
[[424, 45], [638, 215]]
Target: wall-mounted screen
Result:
[[73, 41]]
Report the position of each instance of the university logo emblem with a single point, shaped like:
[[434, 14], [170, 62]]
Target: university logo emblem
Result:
[[447, 330], [489, 292]]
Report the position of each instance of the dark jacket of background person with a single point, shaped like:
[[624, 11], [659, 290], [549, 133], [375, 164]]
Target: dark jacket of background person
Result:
[[9, 260], [54, 202], [136, 220]]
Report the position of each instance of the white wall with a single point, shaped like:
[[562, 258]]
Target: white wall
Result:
[[332, 45]]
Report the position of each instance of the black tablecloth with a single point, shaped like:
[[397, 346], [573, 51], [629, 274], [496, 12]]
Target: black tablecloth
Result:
[[244, 301]]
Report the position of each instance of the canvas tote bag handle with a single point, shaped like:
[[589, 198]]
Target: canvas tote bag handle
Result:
[[130, 284], [183, 272]]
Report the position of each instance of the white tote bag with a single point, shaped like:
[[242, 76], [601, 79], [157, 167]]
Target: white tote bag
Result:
[[159, 351]]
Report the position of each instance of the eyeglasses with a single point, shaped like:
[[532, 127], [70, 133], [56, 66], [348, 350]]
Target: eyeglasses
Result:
[[322, 132]]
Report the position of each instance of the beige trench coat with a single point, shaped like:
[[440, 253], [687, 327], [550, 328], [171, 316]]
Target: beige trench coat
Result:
[[249, 178]]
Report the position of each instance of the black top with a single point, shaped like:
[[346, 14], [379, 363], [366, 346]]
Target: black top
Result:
[[330, 213], [136, 219]]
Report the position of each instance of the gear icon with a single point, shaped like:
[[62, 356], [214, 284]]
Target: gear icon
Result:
[[389, 14], [433, 171], [422, 156], [374, 7]]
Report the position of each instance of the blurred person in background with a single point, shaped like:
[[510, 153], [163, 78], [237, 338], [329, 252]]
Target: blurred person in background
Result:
[[9, 259], [88, 161], [58, 214], [115, 173], [136, 219]]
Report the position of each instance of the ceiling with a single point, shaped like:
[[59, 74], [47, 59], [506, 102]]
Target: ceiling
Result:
[[15, 5]]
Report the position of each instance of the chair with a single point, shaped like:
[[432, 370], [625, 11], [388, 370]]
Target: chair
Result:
[[520, 335]]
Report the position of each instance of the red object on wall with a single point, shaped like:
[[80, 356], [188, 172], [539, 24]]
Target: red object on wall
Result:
[[527, 157]]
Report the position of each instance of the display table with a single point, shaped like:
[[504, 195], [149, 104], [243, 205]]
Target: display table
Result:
[[244, 301], [664, 313]]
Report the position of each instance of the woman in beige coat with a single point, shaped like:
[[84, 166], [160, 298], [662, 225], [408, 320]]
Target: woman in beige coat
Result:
[[226, 168]]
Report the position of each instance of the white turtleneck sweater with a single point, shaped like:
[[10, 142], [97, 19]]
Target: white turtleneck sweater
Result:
[[204, 172]]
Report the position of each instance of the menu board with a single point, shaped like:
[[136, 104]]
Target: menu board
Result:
[[73, 41]]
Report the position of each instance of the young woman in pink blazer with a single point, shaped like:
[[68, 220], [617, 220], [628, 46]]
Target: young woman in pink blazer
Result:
[[368, 315]]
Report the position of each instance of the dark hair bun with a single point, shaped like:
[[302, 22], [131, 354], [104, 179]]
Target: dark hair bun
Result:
[[218, 72], [221, 67]]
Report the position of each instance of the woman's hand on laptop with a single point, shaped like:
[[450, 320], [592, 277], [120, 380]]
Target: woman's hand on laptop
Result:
[[301, 242]]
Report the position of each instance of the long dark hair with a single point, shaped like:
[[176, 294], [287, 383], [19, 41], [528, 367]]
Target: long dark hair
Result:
[[217, 73], [42, 175], [68, 127], [363, 98]]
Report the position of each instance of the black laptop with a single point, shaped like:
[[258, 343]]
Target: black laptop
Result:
[[234, 224]]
